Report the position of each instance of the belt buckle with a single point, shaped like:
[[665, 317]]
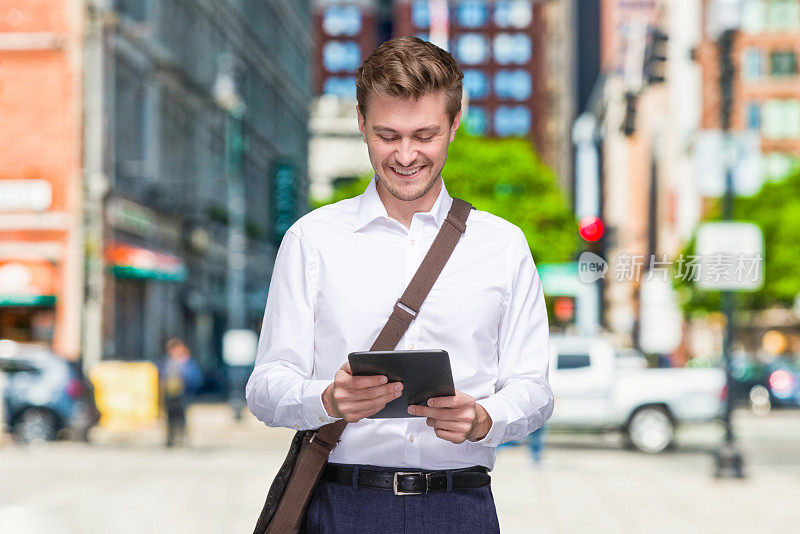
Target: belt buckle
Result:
[[398, 492]]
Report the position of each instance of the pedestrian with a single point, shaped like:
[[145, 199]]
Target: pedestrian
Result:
[[338, 274], [536, 445], [179, 378]]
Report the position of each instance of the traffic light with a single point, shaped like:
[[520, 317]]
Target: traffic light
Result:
[[656, 57], [593, 234], [591, 228]]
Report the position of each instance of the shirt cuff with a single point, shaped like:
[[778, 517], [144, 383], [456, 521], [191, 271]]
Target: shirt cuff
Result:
[[494, 407], [314, 411]]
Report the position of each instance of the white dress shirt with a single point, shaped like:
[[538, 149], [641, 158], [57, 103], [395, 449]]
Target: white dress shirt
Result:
[[337, 275]]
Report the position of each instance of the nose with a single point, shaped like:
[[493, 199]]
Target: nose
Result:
[[406, 154]]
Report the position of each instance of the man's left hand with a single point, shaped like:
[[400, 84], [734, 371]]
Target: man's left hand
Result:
[[455, 419]]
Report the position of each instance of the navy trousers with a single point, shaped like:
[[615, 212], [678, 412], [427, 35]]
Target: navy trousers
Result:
[[341, 509]]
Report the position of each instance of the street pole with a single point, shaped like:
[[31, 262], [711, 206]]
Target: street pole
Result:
[[236, 220], [95, 185], [729, 461], [229, 100]]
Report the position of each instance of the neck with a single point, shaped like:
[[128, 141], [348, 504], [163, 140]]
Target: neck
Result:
[[404, 210]]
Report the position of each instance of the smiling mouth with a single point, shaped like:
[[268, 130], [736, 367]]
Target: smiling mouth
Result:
[[408, 173]]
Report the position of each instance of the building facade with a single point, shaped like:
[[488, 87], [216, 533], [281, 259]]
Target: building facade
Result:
[[169, 165], [516, 83], [766, 83], [41, 265]]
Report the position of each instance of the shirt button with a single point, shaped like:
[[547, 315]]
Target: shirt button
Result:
[[413, 242], [489, 440], [410, 346], [411, 439], [297, 426], [321, 419]]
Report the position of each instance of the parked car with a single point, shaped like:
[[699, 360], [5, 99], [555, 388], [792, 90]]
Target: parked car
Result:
[[597, 389], [44, 396], [766, 385]]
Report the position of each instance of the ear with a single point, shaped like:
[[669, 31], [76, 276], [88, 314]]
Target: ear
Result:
[[454, 127], [361, 121]]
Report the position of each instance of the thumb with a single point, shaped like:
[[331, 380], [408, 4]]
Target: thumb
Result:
[[346, 368]]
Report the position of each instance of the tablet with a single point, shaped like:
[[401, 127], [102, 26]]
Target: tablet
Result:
[[424, 374]]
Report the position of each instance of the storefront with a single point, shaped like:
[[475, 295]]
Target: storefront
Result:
[[28, 288], [146, 292]]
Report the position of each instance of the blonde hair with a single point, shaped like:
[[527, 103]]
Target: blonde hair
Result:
[[409, 67]]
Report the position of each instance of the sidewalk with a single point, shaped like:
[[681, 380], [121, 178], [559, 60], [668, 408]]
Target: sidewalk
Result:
[[129, 483]]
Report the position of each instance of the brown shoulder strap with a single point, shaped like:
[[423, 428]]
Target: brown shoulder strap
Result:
[[322, 442], [418, 288], [407, 307]]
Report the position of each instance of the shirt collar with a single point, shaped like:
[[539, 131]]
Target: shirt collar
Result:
[[370, 207]]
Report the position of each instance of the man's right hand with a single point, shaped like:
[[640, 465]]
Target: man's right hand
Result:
[[355, 397]]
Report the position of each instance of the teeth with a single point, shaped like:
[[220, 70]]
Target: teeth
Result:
[[407, 173]]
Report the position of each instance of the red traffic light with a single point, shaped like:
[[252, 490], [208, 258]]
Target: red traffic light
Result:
[[590, 228]]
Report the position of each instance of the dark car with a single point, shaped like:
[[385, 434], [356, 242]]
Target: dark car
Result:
[[766, 385], [44, 396]]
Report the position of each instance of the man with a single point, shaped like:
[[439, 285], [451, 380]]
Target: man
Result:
[[337, 276], [179, 377]]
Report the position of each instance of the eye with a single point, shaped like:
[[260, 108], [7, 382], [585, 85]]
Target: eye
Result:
[[387, 139], [425, 139]]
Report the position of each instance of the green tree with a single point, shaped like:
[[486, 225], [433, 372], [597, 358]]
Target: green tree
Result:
[[776, 210], [506, 178]]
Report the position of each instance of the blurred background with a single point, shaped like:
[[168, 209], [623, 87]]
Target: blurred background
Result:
[[154, 152]]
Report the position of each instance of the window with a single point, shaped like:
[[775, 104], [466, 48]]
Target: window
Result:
[[512, 120], [783, 63], [780, 119], [476, 122], [343, 87], [754, 116], [341, 56], [471, 48], [751, 67], [573, 361], [754, 14], [512, 84], [420, 15], [513, 13], [512, 48], [136, 10], [342, 20], [476, 84], [783, 15], [471, 13]]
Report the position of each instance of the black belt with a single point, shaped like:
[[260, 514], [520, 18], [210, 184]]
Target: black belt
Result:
[[406, 482]]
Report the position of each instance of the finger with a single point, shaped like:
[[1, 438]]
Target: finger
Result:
[[363, 382], [375, 404], [444, 402], [390, 391], [430, 421], [346, 368], [425, 411], [451, 426], [453, 437], [367, 409]]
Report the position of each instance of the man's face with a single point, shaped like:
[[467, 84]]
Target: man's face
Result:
[[407, 141]]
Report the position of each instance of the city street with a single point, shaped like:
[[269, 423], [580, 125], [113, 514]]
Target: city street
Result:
[[127, 483]]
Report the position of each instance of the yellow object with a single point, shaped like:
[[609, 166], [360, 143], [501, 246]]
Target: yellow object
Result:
[[774, 342], [126, 394]]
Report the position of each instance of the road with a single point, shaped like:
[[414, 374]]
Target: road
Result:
[[125, 482]]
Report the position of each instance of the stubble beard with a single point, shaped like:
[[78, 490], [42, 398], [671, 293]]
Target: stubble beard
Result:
[[408, 196]]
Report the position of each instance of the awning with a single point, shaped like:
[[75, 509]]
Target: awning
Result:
[[128, 261], [27, 280]]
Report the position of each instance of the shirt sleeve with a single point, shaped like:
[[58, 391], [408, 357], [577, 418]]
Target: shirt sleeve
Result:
[[281, 390], [523, 399]]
